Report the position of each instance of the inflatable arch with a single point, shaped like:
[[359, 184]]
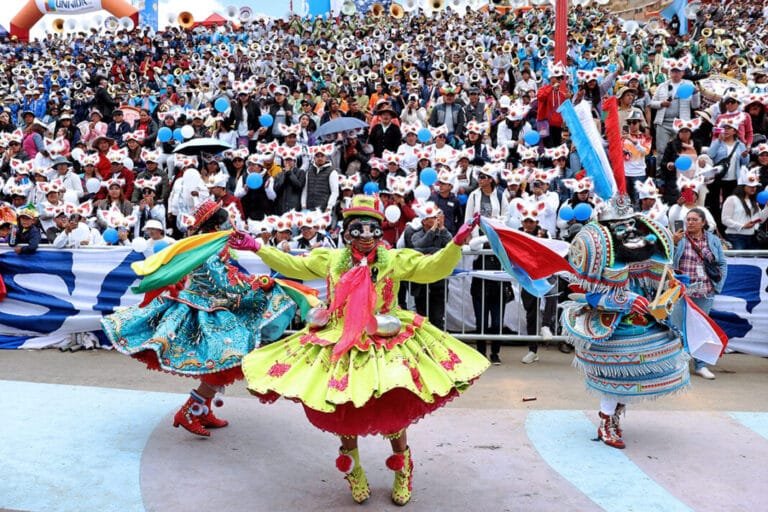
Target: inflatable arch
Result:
[[34, 10]]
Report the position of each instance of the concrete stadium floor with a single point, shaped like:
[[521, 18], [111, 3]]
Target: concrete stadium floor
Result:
[[92, 431]]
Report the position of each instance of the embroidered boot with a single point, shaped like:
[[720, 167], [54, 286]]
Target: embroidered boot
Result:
[[189, 415], [616, 418], [209, 420], [402, 465], [606, 432], [348, 462]]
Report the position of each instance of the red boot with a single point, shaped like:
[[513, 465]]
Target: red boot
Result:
[[606, 432], [209, 420], [189, 417]]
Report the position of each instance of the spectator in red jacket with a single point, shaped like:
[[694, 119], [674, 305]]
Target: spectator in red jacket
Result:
[[550, 97]]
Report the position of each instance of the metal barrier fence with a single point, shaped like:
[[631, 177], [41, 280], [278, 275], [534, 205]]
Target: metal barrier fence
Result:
[[458, 303]]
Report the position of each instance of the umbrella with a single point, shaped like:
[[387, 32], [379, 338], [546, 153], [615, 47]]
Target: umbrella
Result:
[[342, 124], [194, 147]]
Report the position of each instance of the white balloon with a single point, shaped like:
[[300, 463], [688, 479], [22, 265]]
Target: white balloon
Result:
[[392, 213], [421, 192], [139, 244], [93, 185], [188, 132]]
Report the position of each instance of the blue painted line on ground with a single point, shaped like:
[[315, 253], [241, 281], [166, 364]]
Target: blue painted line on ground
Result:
[[755, 421], [74, 448], [605, 475]]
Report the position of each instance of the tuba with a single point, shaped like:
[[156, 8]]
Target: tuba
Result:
[[410, 5], [348, 8], [185, 20], [232, 12], [111, 24], [396, 11], [245, 15], [126, 23], [58, 25], [377, 10]]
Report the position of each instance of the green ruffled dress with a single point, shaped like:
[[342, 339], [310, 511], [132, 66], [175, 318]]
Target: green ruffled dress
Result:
[[382, 384]]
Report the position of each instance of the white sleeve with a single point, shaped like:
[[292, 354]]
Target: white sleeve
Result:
[[333, 182], [61, 240], [240, 189], [304, 192], [269, 188]]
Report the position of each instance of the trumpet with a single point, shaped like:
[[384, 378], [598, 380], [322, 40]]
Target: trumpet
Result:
[[389, 68]]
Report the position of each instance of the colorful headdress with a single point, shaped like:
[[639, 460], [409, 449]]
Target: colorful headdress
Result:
[[377, 163], [390, 157], [545, 175], [407, 128], [113, 181], [268, 148], [731, 121], [400, 185], [7, 214], [445, 175], [468, 153], [427, 210], [364, 206], [28, 210], [422, 153], [557, 69], [185, 162]]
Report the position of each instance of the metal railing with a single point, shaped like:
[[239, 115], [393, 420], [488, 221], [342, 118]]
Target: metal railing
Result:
[[515, 330]]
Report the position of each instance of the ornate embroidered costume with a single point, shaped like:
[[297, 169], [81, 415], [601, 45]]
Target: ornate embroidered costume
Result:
[[394, 372], [206, 329]]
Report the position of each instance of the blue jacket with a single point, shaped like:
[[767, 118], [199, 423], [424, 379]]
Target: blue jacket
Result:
[[717, 250]]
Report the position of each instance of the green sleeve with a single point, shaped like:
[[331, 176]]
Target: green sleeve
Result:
[[416, 267], [313, 265]]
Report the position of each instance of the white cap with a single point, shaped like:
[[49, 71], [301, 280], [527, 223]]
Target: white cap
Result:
[[153, 224]]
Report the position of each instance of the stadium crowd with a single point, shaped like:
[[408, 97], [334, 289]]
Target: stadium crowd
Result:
[[106, 138]]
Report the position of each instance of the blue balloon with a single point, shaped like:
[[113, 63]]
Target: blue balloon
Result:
[[566, 213], [762, 197], [178, 135], [371, 188], [159, 246], [164, 134], [532, 138], [110, 236], [254, 181], [266, 120], [685, 90], [582, 212], [683, 163], [428, 176], [221, 105], [463, 199], [424, 135]]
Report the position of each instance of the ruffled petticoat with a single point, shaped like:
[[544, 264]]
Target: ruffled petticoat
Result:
[[378, 389], [175, 337]]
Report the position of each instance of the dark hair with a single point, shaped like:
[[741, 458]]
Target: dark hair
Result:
[[702, 216], [749, 202]]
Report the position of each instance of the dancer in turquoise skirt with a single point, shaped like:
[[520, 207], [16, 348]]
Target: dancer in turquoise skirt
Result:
[[200, 323]]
